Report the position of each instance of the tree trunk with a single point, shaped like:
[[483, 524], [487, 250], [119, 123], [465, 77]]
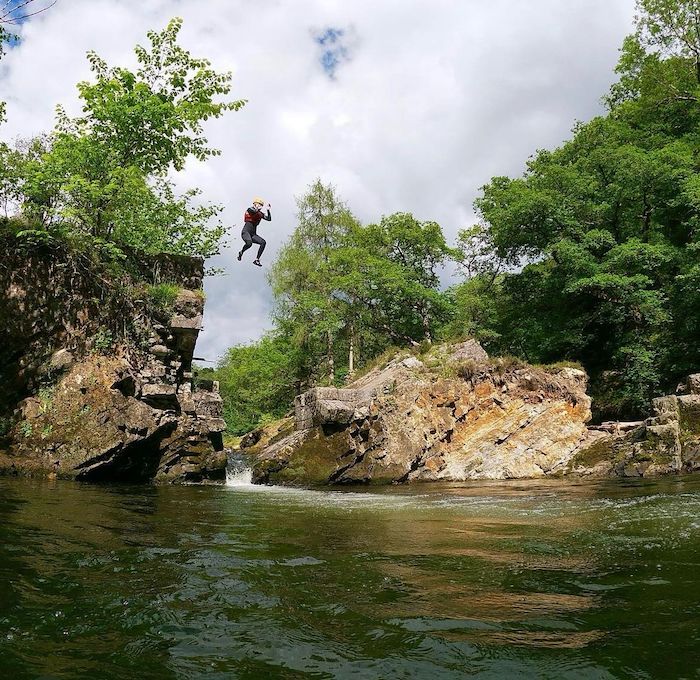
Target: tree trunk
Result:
[[351, 352], [426, 325], [331, 361]]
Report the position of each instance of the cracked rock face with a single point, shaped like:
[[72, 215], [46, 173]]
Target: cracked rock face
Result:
[[130, 412], [666, 443], [408, 422]]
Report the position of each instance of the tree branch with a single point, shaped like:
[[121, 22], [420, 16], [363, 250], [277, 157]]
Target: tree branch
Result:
[[9, 15]]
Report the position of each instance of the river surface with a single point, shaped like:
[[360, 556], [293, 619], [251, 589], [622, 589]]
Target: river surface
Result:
[[493, 580]]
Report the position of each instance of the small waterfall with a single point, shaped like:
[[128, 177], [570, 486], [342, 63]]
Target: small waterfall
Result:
[[238, 470]]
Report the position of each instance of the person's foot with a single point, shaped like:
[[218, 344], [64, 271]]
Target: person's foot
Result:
[[240, 255], [257, 263]]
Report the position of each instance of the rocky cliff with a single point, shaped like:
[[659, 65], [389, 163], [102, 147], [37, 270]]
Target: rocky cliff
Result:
[[458, 415], [96, 364], [455, 415]]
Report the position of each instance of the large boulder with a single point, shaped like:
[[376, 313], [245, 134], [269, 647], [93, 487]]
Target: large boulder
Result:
[[455, 415], [101, 423]]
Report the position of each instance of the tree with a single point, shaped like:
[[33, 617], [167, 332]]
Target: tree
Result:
[[105, 174], [475, 310], [661, 60], [310, 305], [672, 27], [256, 382], [152, 118], [391, 269], [598, 239]]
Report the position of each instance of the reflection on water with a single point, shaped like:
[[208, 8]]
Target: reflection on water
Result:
[[526, 579]]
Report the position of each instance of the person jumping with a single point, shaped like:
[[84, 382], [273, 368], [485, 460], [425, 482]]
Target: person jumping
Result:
[[249, 234]]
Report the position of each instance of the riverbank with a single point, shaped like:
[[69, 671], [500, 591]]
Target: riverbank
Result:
[[96, 367]]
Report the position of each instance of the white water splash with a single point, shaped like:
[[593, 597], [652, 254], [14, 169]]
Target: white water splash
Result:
[[239, 477]]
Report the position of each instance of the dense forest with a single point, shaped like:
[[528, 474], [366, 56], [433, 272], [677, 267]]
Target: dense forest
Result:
[[593, 255]]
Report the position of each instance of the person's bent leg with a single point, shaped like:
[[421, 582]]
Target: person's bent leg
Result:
[[262, 243], [248, 242]]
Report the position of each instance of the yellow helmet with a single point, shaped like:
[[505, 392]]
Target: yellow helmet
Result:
[[257, 199]]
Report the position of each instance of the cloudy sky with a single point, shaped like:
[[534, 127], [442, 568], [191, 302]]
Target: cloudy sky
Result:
[[407, 105]]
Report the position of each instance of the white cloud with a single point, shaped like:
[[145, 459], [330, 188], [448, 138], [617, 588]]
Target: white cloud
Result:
[[435, 98]]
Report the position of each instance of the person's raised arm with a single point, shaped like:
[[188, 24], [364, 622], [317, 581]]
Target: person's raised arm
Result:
[[269, 216]]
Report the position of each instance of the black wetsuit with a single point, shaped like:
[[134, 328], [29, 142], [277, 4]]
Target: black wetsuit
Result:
[[249, 233]]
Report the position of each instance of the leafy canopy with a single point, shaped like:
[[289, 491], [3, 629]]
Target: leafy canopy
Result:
[[599, 238], [106, 176], [310, 305], [256, 382], [152, 118], [345, 292]]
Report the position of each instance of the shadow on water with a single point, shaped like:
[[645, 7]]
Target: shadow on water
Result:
[[526, 579]]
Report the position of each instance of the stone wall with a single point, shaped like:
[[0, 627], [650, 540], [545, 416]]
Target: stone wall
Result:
[[99, 382]]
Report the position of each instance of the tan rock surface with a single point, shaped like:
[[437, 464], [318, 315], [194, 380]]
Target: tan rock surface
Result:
[[445, 418]]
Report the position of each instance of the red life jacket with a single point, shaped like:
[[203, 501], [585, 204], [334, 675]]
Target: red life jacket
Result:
[[254, 219]]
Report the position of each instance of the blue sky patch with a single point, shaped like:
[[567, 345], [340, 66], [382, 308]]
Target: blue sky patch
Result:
[[334, 49], [16, 12]]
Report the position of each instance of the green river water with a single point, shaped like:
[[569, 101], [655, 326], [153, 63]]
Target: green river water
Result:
[[493, 580]]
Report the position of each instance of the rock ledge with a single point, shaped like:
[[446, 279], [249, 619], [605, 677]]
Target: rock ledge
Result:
[[455, 415]]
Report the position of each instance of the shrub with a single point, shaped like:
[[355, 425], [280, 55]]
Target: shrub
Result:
[[161, 297]]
